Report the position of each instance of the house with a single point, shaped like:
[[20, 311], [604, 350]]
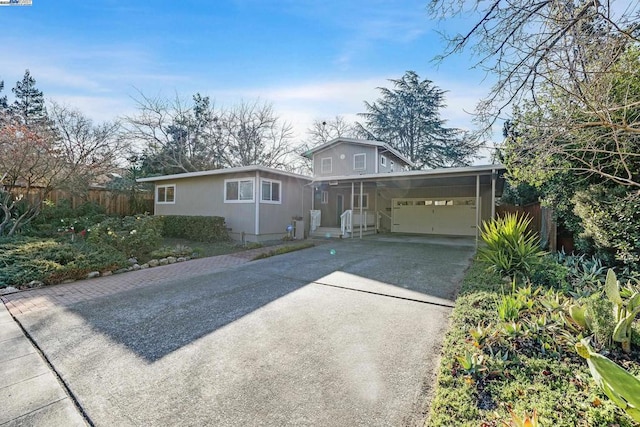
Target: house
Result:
[[358, 187], [367, 186], [258, 203]]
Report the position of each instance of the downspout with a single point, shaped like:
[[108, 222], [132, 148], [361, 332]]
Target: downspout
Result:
[[377, 160], [351, 206]]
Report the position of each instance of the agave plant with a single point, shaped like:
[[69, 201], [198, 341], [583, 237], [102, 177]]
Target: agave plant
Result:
[[511, 248]]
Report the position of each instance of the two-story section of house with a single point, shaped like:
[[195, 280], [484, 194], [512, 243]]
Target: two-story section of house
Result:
[[363, 186], [346, 156]]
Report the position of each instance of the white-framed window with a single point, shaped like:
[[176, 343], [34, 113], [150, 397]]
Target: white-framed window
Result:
[[326, 165], [391, 165], [359, 161], [166, 194], [324, 198], [239, 190], [270, 191], [383, 161], [365, 201]]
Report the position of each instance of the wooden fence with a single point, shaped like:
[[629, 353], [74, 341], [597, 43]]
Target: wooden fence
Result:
[[542, 222], [115, 203]]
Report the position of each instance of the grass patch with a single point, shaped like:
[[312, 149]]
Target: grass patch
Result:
[[284, 249], [204, 249], [483, 378]]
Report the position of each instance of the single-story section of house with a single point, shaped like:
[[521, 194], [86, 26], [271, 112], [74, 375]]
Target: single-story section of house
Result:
[[258, 203]]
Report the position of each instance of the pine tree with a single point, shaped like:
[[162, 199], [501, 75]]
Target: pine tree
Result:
[[29, 101]]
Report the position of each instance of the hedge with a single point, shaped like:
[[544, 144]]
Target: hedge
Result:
[[198, 228]]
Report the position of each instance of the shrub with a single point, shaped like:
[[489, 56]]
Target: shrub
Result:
[[62, 218], [549, 273], [611, 219], [134, 236], [511, 249], [50, 261], [198, 228]]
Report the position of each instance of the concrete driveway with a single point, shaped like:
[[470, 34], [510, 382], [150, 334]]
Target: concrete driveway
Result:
[[345, 333]]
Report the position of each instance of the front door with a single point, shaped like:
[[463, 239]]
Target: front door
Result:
[[339, 206]]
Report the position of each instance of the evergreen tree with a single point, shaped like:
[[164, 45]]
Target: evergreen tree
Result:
[[29, 101], [408, 118]]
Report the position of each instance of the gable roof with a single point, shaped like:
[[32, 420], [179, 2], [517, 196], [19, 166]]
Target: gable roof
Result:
[[253, 168], [371, 143]]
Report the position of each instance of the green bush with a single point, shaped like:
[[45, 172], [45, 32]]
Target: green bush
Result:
[[198, 228], [61, 218], [52, 261], [611, 219], [550, 274], [134, 236], [511, 249]]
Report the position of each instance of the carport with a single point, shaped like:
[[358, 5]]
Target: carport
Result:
[[448, 201]]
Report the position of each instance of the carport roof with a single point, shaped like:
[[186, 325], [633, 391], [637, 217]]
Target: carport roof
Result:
[[417, 174]]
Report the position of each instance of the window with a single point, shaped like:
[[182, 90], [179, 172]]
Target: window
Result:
[[391, 165], [326, 165], [165, 194], [359, 161], [270, 191], [238, 190], [365, 201], [325, 197], [383, 161]]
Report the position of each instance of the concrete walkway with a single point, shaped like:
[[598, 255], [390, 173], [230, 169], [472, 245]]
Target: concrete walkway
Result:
[[29, 391]]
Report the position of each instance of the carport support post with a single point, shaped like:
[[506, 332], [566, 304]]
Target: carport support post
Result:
[[493, 193], [351, 204], [477, 208], [361, 197]]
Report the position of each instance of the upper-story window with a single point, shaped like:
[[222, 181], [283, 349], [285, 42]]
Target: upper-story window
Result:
[[326, 165], [359, 161], [383, 161], [165, 194]]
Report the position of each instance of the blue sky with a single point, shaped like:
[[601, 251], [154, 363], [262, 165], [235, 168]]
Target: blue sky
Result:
[[312, 60]]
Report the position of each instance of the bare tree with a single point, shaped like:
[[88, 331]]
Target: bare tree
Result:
[[571, 66], [254, 135], [322, 131], [88, 150], [175, 136]]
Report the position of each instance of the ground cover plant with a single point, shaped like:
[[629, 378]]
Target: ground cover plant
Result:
[[51, 261], [519, 349]]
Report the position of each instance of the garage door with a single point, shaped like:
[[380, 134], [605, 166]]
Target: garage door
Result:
[[452, 216]]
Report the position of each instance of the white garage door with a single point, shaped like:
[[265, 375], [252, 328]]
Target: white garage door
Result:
[[452, 216]]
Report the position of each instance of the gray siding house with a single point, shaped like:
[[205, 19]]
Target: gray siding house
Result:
[[358, 187], [258, 203]]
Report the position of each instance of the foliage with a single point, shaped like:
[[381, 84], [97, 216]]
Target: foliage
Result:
[[611, 219], [584, 273], [408, 118], [284, 249], [134, 236], [198, 228], [492, 369], [618, 384], [175, 251], [549, 273], [61, 217], [625, 311], [510, 248], [52, 261]]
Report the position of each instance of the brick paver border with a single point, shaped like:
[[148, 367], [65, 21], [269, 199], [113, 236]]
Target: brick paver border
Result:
[[33, 300]]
